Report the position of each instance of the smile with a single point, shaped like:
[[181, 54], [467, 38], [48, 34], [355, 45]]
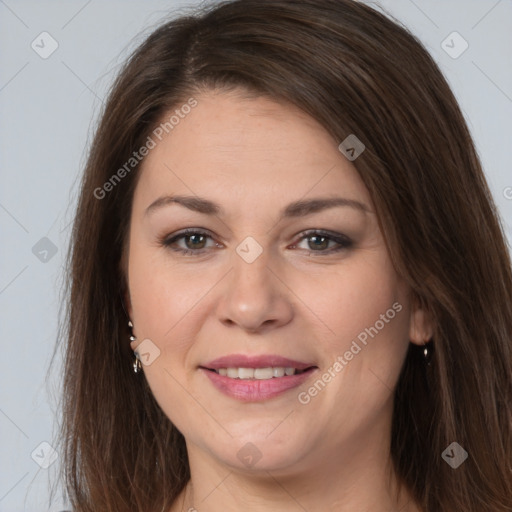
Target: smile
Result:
[[257, 373], [256, 384]]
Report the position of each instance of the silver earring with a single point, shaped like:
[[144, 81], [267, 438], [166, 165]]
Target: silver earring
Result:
[[428, 350], [137, 365]]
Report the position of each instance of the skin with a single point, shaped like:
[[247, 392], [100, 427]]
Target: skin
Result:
[[253, 157]]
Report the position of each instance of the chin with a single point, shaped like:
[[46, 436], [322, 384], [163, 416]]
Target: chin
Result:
[[264, 453]]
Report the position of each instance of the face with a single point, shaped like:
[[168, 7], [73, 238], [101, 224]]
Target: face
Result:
[[264, 283]]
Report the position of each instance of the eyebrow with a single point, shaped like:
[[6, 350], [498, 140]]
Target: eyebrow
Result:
[[295, 209]]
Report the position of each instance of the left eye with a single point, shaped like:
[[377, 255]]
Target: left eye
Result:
[[319, 241]]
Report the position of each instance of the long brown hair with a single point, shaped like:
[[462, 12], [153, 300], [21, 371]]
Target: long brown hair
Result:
[[356, 72]]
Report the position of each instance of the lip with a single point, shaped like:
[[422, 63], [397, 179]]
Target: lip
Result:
[[261, 361], [255, 390]]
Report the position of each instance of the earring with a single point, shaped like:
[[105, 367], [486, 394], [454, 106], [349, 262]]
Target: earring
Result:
[[137, 365], [428, 351]]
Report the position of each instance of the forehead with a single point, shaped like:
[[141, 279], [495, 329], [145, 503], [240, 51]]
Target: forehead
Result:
[[252, 148]]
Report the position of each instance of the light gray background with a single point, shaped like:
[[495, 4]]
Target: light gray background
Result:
[[48, 110]]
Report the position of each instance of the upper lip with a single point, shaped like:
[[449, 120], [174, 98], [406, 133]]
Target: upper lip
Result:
[[261, 361]]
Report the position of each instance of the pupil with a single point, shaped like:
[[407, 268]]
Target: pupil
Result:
[[322, 245], [191, 237]]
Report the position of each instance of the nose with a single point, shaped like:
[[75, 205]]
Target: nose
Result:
[[255, 297]]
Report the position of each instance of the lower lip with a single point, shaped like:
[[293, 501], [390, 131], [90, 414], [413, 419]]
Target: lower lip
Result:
[[254, 390]]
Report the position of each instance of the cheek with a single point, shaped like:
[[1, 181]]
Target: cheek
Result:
[[160, 295], [162, 301], [352, 299], [365, 307], [364, 304]]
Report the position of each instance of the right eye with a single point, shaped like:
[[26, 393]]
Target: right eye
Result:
[[194, 241]]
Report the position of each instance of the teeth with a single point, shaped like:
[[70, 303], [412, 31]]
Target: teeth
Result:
[[246, 373], [233, 373], [256, 373], [263, 373], [278, 372]]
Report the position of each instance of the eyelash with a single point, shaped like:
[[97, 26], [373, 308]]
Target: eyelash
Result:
[[343, 241]]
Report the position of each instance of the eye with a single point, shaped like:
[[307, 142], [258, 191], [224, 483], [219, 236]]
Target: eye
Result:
[[194, 238], [319, 240], [195, 242]]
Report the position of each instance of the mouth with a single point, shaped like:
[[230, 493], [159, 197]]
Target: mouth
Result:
[[256, 378], [266, 373]]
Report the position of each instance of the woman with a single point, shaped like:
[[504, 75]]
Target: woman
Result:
[[284, 218]]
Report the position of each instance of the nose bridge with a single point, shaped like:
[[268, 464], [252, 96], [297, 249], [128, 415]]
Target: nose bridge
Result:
[[251, 258], [251, 278], [253, 295]]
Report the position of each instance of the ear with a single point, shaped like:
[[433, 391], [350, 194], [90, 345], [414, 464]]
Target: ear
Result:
[[421, 325]]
